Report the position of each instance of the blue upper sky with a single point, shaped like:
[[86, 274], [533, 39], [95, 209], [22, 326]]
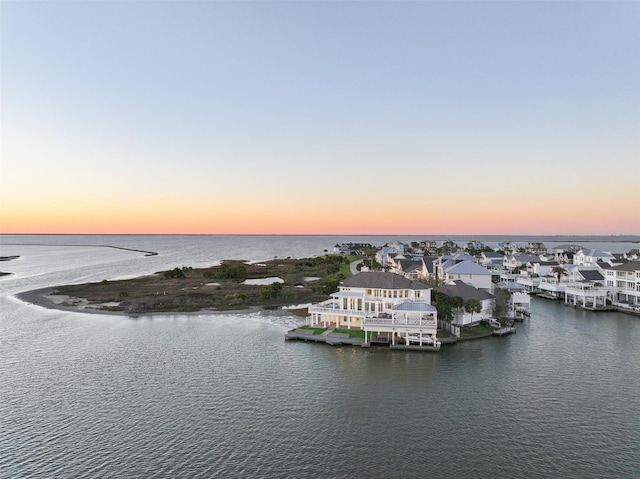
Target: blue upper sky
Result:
[[477, 102]]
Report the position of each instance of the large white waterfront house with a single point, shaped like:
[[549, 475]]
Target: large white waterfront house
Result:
[[380, 303], [623, 281]]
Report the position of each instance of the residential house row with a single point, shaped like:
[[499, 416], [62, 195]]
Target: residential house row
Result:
[[396, 302], [570, 272]]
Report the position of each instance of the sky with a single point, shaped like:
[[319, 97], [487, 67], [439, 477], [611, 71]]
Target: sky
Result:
[[386, 117]]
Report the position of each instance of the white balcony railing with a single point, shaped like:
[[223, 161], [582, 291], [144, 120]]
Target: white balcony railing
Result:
[[577, 288], [337, 311], [426, 323]]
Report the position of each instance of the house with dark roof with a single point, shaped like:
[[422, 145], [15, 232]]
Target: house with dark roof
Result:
[[450, 246], [489, 256], [564, 257], [540, 268], [466, 292], [408, 268], [429, 268], [381, 303], [633, 254], [351, 248], [564, 253], [567, 248], [536, 248], [429, 246], [518, 260], [623, 281]]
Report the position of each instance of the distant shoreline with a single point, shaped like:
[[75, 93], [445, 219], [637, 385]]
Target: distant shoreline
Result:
[[147, 253]]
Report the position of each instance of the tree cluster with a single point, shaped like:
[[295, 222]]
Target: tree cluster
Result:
[[449, 307], [501, 302], [175, 273], [270, 291], [224, 271]]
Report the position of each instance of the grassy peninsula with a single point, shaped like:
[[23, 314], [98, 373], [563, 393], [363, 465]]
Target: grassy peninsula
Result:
[[217, 288]]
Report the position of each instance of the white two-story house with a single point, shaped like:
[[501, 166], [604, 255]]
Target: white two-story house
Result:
[[623, 281], [470, 273], [380, 303]]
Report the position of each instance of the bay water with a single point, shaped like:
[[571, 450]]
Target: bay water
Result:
[[223, 395]]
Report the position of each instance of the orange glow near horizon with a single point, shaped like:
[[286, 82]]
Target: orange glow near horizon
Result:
[[179, 219], [289, 211]]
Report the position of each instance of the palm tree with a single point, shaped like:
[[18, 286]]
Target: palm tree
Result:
[[457, 305], [559, 271], [473, 305]]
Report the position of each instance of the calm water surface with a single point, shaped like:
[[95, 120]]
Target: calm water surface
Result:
[[225, 396]]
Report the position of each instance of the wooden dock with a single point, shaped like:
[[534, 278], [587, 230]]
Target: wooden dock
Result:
[[329, 337], [332, 338], [503, 331], [415, 347]]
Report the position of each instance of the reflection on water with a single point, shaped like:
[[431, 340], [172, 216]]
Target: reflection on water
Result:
[[225, 396]]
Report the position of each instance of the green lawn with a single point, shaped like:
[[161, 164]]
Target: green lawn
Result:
[[479, 328], [354, 333], [315, 330]]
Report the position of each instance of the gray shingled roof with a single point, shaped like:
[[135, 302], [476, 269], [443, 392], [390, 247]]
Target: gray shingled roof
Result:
[[460, 288], [409, 265], [428, 262], [382, 280], [630, 266]]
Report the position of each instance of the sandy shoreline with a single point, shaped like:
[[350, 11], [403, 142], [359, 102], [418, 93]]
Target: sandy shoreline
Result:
[[47, 298]]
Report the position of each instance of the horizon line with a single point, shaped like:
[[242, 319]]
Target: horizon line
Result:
[[635, 235]]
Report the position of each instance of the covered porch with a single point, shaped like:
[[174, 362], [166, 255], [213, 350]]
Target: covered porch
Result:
[[409, 323]]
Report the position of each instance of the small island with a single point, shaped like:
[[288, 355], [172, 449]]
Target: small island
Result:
[[232, 285]]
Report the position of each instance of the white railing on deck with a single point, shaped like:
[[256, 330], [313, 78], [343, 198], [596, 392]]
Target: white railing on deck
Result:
[[347, 312], [427, 323]]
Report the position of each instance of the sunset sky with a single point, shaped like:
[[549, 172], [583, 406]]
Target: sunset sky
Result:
[[320, 117]]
